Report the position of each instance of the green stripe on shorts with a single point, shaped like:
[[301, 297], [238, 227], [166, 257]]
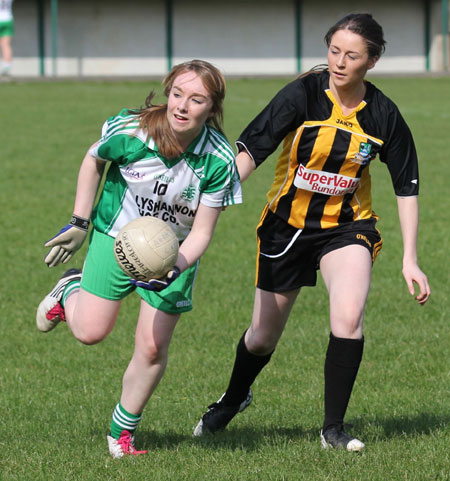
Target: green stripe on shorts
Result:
[[103, 277]]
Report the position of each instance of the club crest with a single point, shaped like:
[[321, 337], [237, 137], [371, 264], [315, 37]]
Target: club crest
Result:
[[364, 155]]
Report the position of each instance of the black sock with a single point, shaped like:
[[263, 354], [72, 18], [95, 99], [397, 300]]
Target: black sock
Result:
[[341, 367], [246, 367]]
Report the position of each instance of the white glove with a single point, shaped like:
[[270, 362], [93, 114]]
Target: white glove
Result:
[[67, 241]]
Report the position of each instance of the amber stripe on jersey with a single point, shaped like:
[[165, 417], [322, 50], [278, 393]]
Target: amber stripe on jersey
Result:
[[331, 147]]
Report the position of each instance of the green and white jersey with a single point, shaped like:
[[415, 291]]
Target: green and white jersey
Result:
[[140, 181], [6, 10]]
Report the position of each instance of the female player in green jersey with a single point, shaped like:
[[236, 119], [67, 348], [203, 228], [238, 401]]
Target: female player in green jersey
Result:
[[319, 216], [6, 34], [171, 161]]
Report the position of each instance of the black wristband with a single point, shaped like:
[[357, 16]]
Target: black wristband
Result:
[[79, 222]]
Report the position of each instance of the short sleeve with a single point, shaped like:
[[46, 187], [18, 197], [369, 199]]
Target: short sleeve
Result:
[[224, 190], [284, 113], [399, 154], [119, 139], [220, 184]]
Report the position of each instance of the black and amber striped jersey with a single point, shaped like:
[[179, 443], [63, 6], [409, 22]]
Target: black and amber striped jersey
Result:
[[322, 175]]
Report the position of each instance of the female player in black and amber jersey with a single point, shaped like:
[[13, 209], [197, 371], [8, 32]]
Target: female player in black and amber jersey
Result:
[[332, 124]]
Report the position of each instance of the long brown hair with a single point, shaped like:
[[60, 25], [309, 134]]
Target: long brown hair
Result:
[[153, 118]]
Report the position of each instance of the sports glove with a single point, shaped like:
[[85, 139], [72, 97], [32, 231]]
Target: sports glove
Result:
[[158, 284], [67, 241]]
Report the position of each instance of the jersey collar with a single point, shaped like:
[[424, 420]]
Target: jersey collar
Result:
[[197, 147], [325, 79]]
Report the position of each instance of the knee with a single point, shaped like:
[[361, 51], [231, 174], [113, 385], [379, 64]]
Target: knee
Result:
[[260, 342], [152, 353], [89, 339], [88, 336], [349, 322]]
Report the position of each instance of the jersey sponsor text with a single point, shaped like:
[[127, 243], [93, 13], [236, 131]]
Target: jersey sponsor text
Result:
[[133, 173], [165, 211], [325, 182]]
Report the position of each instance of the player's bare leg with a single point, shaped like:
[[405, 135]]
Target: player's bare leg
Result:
[[270, 314], [5, 47], [346, 273], [146, 368], [153, 335], [89, 317]]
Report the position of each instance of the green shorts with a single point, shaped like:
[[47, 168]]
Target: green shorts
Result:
[[7, 29], [103, 277]]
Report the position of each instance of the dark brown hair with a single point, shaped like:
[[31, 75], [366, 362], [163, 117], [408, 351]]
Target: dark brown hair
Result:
[[153, 118], [362, 24]]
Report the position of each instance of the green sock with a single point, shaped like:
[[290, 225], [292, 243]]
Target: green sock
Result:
[[123, 420], [70, 289]]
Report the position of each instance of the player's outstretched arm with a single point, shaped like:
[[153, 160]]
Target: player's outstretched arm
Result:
[[192, 248], [71, 237], [408, 211], [196, 243], [89, 176], [245, 165]]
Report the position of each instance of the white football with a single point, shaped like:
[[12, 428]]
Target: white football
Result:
[[146, 248]]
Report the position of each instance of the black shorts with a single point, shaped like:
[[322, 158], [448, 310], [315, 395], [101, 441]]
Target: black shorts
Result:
[[288, 258]]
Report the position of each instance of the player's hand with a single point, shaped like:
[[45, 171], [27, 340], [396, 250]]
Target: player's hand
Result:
[[415, 277], [158, 284], [67, 241]]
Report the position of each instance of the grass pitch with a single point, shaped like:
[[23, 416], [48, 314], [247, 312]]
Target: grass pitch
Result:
[[57, 395]]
